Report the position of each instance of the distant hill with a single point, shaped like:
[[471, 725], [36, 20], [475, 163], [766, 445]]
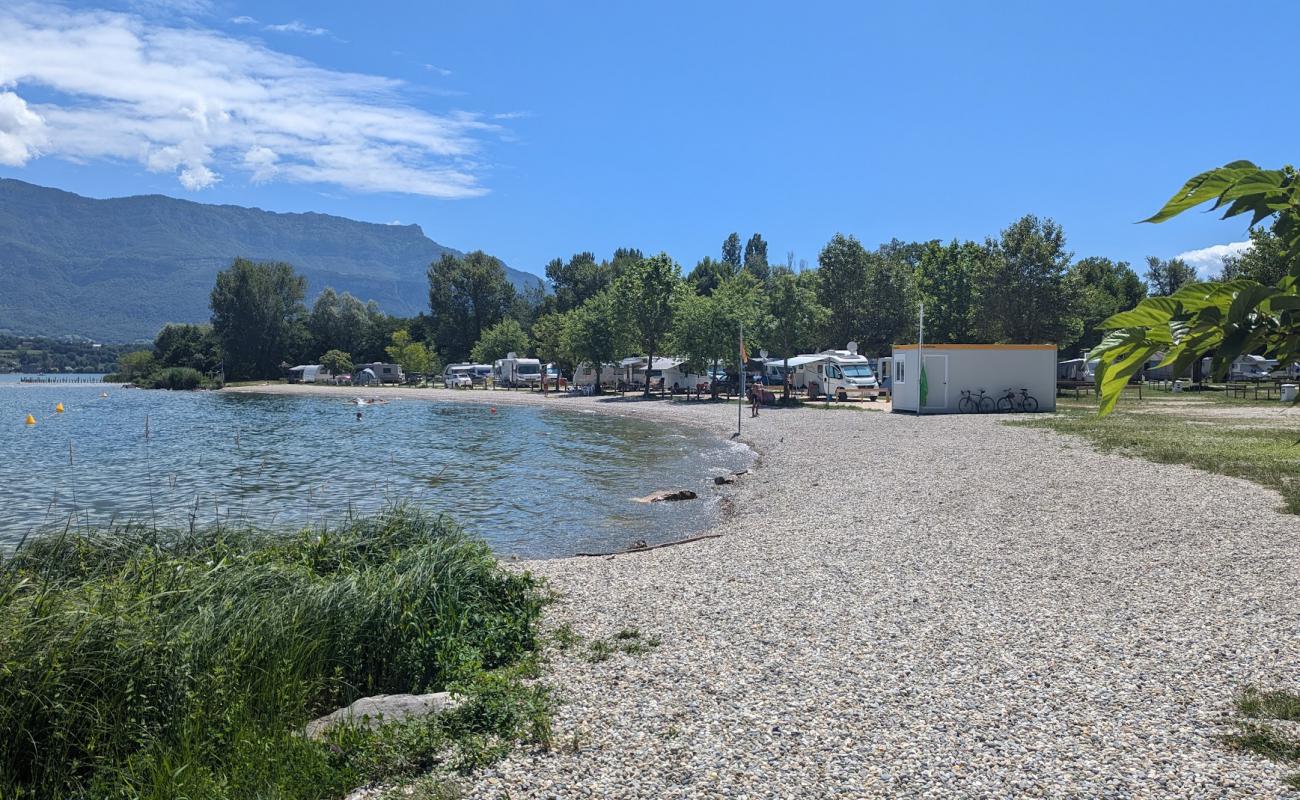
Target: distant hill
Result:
[[118, 269]]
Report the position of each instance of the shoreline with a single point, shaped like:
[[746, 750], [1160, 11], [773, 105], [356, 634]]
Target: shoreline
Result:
[[900, 606]]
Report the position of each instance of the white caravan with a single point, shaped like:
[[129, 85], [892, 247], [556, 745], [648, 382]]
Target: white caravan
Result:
[[513, 371]]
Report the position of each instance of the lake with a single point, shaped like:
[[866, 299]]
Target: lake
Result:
[[533, 482]]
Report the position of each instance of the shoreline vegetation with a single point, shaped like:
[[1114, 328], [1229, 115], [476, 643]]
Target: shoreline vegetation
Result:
[[157, 664]]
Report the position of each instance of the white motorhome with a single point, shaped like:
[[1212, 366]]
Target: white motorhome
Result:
[[513, 371], [1245, 368], [840, 374], [458, 376]]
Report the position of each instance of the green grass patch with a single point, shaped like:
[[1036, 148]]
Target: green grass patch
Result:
[[150, 665], [628, 641], [1259, 709], [1245, 448]]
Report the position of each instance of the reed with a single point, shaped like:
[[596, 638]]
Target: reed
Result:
[[136, 663]]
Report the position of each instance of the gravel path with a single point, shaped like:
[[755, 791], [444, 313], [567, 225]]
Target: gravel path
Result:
[[937, 607]]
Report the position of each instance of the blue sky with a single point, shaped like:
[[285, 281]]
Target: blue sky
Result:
[[536, 130]]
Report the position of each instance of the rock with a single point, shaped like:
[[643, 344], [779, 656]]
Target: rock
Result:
[[720, 480], [371, 712], [667, 494]]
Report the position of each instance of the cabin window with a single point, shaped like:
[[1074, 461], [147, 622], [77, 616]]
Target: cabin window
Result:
[[833, 371], [898, 370]]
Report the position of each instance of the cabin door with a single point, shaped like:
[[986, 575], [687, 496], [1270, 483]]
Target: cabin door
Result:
[[936, 379]]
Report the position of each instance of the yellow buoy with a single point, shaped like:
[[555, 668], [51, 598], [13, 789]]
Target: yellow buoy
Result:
[[58, 409], [31, 420]]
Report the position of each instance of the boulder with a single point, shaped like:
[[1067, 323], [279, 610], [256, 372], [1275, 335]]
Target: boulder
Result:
[[667, 494], [371, 712], [720, 480]]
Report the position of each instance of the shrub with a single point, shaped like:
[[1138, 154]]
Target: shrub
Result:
[[176, 378]]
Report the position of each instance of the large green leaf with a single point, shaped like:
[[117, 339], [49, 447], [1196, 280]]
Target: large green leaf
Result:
[[1150, 312], [1206, 186]]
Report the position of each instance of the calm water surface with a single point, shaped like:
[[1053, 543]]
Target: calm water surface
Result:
[[533, 482]]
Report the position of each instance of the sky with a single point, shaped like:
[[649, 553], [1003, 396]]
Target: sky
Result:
[[537, 130]]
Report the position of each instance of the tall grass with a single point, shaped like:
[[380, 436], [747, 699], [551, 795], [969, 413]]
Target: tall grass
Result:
[[139, 664]]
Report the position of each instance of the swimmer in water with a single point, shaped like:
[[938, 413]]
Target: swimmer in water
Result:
[[358, 415]]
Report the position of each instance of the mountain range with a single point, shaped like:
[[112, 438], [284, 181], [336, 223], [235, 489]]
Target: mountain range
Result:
[[118, 269]]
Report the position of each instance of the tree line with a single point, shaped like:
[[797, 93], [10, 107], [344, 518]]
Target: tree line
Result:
[[1021, 286]]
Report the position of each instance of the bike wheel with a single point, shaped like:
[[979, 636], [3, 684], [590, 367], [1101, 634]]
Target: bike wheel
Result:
[[986, 404], [1004, 404], [967, 406], [1030, 404]]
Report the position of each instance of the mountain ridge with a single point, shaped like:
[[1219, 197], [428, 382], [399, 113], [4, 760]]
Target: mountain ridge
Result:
[[117, 269]]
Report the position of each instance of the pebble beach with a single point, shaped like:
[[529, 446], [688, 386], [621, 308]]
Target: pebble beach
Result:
[[933, 607]]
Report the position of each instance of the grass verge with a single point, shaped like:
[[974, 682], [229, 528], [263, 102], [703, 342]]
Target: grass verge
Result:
[[1249, 449], [138, 664], [1259, 734]]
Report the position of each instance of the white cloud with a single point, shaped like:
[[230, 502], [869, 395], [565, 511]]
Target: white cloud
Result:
[[512, 115], [297, 26], [22, 131], [443, 71], [197, 102], [1208, 261], [243, 20]]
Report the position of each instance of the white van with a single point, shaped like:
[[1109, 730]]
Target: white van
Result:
[[513, 371]]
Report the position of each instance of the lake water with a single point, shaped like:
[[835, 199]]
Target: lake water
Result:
[[533, 482]]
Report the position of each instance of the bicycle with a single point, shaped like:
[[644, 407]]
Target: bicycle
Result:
[[970, 404], [1010, 402]]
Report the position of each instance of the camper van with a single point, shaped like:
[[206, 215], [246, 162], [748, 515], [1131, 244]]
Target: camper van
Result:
[[458, 376], [513, 371], [839, 374], [310, 373]]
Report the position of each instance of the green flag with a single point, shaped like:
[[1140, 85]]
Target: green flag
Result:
[[925, 385]]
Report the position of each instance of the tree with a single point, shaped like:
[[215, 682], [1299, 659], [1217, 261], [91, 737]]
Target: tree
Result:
[[1100, 288], [842, 279], [645, 297], [1166, 277], [258, 316], [1022, 286], [337, 362], [342, 322], [731, 252], [595, 333], [796, 316], [578, 280], [506, 337], [466, 297], [1228, 318], [756, 257], [706, 329], [946, 278], [891, 291], [412, 357], [184, 345], [708, 274], [1265, 261], [135, 365], [549, 339]]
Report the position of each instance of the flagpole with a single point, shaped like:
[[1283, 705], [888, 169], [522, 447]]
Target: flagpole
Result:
[[920, 357], [740, 399]]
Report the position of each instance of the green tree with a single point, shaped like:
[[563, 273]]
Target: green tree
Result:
[[946, 279], [1228, 318], [577, 280], [595, 333], [1022, 287], [706, 329], [1165, 277], [1101, 287], [185, 345], [466, 297], [842, 285], [796, 316], [731, 252], [337, 362], [258, 317], [550, 342], [342, 322], [1265, 261], [135, 366], [507, 336], [756, 258], [412, 357], [645, 297], [708, 275], [891, 292]]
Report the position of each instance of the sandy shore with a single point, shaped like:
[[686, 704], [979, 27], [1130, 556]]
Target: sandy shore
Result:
[[938, 607]]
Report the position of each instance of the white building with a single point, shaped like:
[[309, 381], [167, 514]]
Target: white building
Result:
[[951, 369]]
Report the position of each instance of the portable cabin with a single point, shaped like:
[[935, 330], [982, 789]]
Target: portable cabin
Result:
[[377, 372], [951, 369], [309, 373]]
